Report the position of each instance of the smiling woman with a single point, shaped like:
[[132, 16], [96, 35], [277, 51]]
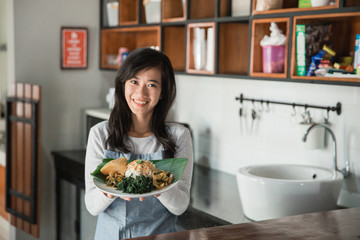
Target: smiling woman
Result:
[[144, 92]]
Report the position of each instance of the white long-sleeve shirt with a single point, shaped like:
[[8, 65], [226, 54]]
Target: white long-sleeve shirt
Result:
[[175, 200]]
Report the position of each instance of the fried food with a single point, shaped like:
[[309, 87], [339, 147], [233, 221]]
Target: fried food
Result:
[[117, 165]]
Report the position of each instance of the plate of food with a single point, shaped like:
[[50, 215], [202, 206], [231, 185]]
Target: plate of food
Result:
[[138, 178]]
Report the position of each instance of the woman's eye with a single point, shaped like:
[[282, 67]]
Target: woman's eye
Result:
[[152, 85], [133, 81]]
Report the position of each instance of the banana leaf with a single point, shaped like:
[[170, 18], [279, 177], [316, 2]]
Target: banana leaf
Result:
[[175, 166]]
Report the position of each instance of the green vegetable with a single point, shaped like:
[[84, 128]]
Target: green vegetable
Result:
[[140, 184], [139, 161]]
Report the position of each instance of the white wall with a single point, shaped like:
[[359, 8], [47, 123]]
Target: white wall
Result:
[[224, 141], [207, 103], [3, 53], [65, 93]]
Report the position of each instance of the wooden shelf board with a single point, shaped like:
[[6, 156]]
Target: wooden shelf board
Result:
[[179, 19], [268, 75], [335, 79], [291, 6], [110, 66], [194, 71], [128, 23], [286, 10]]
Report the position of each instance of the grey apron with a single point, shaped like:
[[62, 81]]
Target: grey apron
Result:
[[129, 219]]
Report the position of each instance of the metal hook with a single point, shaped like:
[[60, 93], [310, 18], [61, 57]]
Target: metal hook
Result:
[[253, 111], [294, 111], [262, 107], [267, 106], [327, 115], [306, 116]]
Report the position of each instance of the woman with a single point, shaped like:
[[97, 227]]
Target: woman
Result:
[[144, 92]]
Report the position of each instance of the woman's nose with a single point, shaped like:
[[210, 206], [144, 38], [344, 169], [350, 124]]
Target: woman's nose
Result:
[[142, 90]]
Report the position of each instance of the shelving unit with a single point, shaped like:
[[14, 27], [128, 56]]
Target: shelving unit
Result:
[[237, 50]]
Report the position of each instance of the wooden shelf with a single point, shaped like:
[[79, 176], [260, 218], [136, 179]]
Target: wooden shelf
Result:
[[330, 79], [291, 6], [129, 12], [225, 8], [190, 68], [173, 10], [343, 24], [260, 28], [352, 3], [174, 45], [233, 48], [202, 9], [131, 38]]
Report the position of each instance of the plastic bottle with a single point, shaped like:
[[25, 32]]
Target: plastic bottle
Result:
[[357, 51]]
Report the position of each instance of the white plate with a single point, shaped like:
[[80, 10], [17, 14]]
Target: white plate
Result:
[[102, 186]]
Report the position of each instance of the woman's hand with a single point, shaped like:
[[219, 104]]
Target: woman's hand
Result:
[[107, 195], [141, 199]]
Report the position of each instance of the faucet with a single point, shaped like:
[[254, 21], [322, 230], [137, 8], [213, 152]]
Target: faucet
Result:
[[345, 171]]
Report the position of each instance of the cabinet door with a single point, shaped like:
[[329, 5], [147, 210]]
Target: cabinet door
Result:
[[23, 158]]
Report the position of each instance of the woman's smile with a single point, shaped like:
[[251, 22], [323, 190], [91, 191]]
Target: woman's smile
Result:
[[140, 102]]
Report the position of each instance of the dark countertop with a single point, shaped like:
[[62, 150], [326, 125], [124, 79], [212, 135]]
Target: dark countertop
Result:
[[216, 193], [336, 224]]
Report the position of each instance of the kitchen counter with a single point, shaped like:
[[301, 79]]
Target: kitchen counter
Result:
[[216, 193], [336, 224], [215, 200]]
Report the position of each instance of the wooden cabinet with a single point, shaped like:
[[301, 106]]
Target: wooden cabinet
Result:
[[173, 10], [344, 27], [129, 37], [260, 28], [3, 212], [190, 58], [236, 39]]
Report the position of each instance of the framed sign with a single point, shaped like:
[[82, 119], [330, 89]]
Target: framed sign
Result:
[[74, 47]]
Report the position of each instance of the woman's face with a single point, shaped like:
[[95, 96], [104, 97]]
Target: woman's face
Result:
[[143, 92]]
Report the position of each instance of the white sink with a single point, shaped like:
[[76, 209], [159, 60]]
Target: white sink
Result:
[[273, 191]]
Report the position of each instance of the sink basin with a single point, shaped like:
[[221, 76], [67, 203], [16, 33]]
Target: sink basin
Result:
[[273, 191]]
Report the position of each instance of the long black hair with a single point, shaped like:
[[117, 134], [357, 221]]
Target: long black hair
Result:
[[120, 118]]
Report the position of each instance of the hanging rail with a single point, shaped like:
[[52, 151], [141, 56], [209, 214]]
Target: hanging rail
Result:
[[337, 108]]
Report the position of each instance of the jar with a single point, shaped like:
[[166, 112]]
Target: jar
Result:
[[264, 5]]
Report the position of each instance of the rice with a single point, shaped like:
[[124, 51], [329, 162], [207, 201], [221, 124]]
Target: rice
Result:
[[140, 167]]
